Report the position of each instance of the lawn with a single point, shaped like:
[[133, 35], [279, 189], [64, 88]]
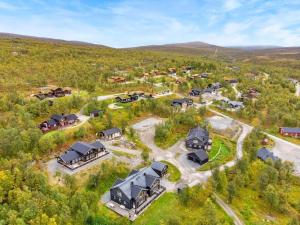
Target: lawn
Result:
[[174, 173], [222, 151], [125, 154]]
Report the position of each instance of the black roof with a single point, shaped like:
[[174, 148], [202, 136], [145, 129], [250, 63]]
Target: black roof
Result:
[[69, 156], [96, 111], [111, 131], [57, 117], [200, 154], [136, 182], [51, 122], [159, 166], [197, 132], [182, 100], [70, 117], [265, 154]]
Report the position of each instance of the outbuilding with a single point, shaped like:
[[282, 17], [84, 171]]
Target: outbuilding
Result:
[[199, 156], [110, 134]]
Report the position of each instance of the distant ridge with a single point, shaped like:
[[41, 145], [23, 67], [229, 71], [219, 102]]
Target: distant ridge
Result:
[[52, 40]]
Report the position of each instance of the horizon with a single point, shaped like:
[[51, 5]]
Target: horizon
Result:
[[125, 23]]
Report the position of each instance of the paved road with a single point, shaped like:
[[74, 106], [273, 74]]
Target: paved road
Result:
[[229, 211], [283, 149], [176, 154]]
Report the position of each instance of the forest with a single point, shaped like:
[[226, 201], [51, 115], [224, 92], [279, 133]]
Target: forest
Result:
[[27, 196]]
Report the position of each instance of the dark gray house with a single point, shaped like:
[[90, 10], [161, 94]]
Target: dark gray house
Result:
[[195, 92], [198, 138], [81, 153], [183, 102], [110, 134], [265, 154], [138, 187], [96, 113], [200, 156]]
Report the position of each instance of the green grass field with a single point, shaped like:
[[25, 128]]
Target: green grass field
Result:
[[222, 151], [174, 173]]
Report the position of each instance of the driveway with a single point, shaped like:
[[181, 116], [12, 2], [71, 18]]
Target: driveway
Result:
[[287, 151], [283, 149], [176, 154]]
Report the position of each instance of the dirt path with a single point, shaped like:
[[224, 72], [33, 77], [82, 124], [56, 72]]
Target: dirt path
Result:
[[229, 211], [297, 89]]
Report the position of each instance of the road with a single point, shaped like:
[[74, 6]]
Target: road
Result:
[[176, 154], [282, 148], [229, 211]]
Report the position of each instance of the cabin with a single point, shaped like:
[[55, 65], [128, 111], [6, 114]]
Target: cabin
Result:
[[172, 71], [209, 90], [215, 86], [200, 156], [265, 154], [81, 153], [204, 75], [195, 92], [96, 113], [198, 138], [231, 81], [290, 131], [116, 79], [183, 102], [58, 120], [233, 104], [134, 191], [110, 134], [54, 93], [129, 98], [160, 168]]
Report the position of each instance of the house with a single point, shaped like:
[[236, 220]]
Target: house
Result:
[[140, 188], [81, 153], [110, 134], [198, 138], [116, 79], [265, 154], [129, 98], [235, 104], [96, 113], [172, 71], [160, 168], [200, 156], [215, 86], [204, 75], [195, 92], [290, 131], [58, 120], [54, 93], [231, 81], [183, 102], [208, 90], [251, 93]]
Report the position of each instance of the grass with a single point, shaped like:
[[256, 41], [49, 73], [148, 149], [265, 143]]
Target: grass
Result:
[[226, 153], [125, 154], [173, 171], [168, 208]]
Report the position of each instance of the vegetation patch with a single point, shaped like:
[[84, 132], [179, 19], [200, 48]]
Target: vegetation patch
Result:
[[174, 174], [222, 151], [125, 154]]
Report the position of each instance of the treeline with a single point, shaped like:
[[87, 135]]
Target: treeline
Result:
[[269, 182]]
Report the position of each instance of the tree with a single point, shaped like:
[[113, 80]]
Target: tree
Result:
[[271, 196], [231, 189]]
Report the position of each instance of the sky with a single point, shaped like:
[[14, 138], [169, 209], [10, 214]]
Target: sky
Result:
[[127, 23]]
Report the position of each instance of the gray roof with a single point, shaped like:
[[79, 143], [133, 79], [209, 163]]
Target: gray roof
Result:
[[83, 147], [235, 103], [264, 154], [69, 156], [57, 117], [71, 117], [137, 181], [290, 129], [202, 155], [97, 144], [182, 100], [198, 132], [159, 166], [51, 122], [111, 131]]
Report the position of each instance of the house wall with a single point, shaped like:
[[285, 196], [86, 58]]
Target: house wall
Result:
[[120, 199]]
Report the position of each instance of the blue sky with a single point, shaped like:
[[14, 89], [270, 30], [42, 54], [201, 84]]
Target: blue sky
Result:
[[125, 23]]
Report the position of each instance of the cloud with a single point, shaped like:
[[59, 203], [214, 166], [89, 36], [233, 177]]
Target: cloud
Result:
[[231, 4], [6, 6]]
